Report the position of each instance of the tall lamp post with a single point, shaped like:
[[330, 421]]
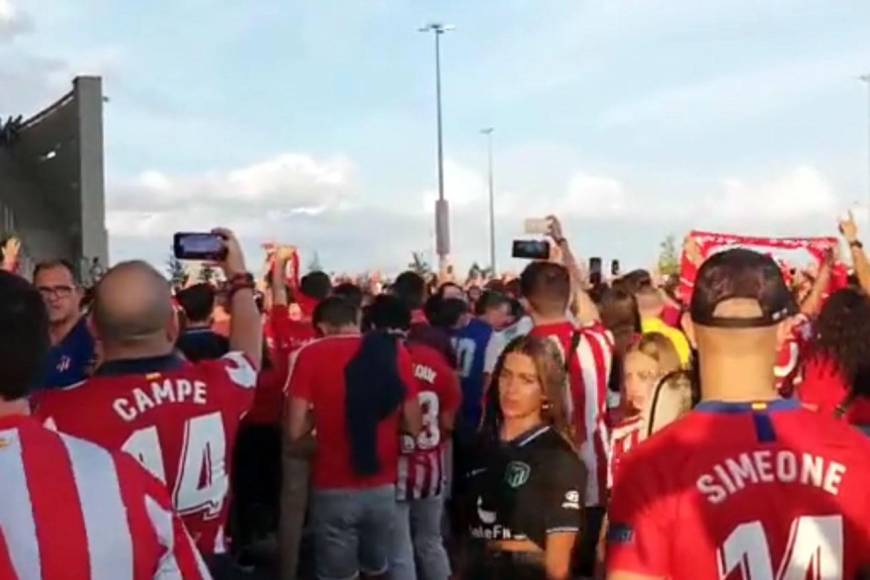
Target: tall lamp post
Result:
[[492, 266], [442, 210], [866, 79]]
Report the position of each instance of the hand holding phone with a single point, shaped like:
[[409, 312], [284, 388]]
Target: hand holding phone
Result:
[[199, 246], [595, 274], [531, 249]]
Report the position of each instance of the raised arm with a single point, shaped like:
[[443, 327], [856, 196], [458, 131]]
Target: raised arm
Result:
[[246, 327], [587, 311], [812, 304], [11, 252], [849, 229]]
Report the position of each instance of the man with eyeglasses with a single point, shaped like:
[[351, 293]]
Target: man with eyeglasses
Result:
[[72, 346]]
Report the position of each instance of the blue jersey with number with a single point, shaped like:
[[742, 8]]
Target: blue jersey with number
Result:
[[470, 345]]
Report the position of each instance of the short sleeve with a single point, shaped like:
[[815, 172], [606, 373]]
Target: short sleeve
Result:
[[300, 375], [406, 373], [240, 370], [494, 348], [640, 522], [565, 493]]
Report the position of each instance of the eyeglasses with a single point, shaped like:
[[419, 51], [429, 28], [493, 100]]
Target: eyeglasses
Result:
[[55, 291]]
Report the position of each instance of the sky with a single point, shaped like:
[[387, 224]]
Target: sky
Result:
[[313, 123]]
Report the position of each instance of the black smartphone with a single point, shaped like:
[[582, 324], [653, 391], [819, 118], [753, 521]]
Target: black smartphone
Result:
[[614, 268], [595, 271], [199, 246], [531, 249]]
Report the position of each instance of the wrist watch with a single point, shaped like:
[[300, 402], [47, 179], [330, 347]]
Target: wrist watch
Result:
[[856, 244]]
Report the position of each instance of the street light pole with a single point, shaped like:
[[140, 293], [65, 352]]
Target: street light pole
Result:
[[442, 209], [866, 79], [492, 266]]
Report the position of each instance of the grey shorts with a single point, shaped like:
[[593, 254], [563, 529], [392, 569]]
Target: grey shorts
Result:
[[352, 531]]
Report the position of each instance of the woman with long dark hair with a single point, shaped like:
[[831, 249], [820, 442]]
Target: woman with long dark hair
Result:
[[525, 497], [834, 374]]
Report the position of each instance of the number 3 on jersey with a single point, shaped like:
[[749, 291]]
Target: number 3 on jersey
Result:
[[202, 483], [815, 545], [430, 436]]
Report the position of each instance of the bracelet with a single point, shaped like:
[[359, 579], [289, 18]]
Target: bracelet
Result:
[[856, 244], [245, 277], [243, 283]]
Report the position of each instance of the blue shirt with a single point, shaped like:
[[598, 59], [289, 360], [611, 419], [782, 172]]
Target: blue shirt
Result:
[[69, 361], [470, 344]]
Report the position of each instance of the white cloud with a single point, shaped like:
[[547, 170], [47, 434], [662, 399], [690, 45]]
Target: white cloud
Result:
[[590, 196], [12, 20], [156, 203], [800, 193]]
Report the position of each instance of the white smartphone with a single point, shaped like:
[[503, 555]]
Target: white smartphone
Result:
[[537, 226]]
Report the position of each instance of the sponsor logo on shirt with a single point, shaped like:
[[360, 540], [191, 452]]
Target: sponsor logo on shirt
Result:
[[572, 501], [64, 364], [620, 534], [487, 517], [517, 474]]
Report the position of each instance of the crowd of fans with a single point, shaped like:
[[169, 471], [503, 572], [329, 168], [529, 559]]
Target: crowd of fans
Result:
[[542, 427]]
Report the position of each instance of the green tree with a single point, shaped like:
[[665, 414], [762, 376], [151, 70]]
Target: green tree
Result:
[[419, 264], [669, 257], [176, 271]]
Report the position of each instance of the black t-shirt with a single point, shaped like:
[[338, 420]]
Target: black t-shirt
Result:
[[525, 489], [202, 344]]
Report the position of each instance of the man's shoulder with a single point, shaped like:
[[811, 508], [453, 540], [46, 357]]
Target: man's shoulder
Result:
[[328, 344]]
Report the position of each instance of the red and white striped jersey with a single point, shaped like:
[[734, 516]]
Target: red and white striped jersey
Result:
[[178, 419], [421, 471], [624, 437], [589, 371], [71, 509]]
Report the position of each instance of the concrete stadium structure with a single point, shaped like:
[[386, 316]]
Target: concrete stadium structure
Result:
[[52, 193]]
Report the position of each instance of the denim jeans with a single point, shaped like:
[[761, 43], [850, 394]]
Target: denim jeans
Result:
[[418, 544], [352, 531]]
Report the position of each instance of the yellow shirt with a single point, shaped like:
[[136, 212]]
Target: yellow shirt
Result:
[[677, 338]]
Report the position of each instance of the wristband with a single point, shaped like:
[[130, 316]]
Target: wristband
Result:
[[245, 277], [856, 244]]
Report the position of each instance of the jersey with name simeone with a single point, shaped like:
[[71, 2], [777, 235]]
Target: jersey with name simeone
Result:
[[178, 419], [744, 491]]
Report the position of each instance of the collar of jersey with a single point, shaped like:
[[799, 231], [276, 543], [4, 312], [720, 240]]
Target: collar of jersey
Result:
[[528, 436], [77, 333], [748, 407], [140, 366]]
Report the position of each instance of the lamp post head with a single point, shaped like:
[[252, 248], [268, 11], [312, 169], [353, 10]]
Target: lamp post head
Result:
[[437, 28], [487, 131], [865, 78]]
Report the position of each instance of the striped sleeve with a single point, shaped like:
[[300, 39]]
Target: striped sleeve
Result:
[[177, 556], [595, 355]]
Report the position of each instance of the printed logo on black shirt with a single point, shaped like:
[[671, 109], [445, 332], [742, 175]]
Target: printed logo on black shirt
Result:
[[517, 474]]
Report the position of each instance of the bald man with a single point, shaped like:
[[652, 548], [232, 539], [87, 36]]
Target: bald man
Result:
[[178, 418]]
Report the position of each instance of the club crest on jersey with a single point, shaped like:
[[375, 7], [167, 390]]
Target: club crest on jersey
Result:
[[517, 474]]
